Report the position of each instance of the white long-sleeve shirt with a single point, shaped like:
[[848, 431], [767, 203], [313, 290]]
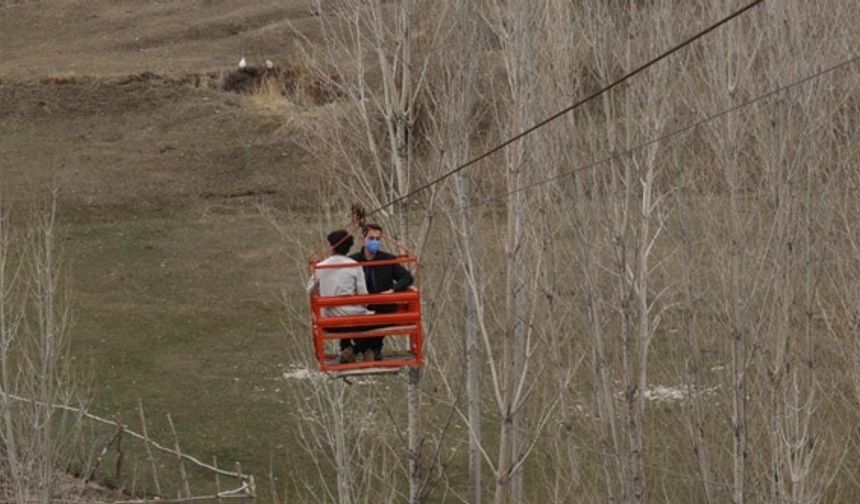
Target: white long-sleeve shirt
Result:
[[339, 282]]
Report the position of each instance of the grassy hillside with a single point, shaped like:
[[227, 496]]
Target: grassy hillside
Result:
[[177, 280]]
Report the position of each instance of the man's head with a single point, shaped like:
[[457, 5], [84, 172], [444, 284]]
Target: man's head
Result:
[[372, 238], [340, 241]]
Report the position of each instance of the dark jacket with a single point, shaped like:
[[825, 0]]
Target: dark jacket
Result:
[[382, 278]]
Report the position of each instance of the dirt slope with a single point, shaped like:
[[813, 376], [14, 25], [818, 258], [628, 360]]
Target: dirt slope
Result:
[[106, 38], [109, 101]]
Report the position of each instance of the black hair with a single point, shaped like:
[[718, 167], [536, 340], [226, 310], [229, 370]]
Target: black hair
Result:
[[369, 226], [340, 241]]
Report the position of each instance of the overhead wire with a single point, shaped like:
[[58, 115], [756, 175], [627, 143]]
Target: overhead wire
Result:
[[666, 136], [572, 107], [676, 132], [728, 486]]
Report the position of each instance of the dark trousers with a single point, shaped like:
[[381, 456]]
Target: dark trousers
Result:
[[344, 343], [374, 344], [359, 345]]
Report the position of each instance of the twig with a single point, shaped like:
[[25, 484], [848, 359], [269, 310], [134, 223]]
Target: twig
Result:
[[239, 470], [134, 481], [102, 453], [131, 433], [119, 452], [247, 490], [238, 493], [182, 472], [217, 479], [146, 444]]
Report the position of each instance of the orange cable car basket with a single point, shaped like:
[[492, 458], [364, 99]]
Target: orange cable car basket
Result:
[[405, 322]]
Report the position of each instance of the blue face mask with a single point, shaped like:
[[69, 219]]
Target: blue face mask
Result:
[[372, 246]]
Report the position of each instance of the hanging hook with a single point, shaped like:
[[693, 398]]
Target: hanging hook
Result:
[[359, 216]]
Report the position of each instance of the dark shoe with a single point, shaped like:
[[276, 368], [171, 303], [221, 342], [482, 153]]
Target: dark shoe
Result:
[[347, 356]]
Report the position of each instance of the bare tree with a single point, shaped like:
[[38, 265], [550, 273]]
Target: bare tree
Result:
[[38, 439], [630, 203], [377, 76], [454, 99], [11, 316], [514, 26], [342, 447], [738, 276]]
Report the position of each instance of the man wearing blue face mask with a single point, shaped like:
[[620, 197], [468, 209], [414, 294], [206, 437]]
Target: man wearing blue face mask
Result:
[[383, 279]]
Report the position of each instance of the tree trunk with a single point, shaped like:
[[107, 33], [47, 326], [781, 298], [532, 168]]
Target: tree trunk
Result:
[[403, 158], [341, 455], [461, 98], [634, 485], [695, 412], [414, 398], [403, 117], [739, 351], [473, 354], [10, 318]]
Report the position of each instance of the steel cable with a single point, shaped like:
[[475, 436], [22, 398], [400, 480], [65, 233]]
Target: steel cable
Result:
[[572, 107], [671, 134]]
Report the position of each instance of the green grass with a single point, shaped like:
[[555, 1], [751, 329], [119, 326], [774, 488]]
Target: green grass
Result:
[[184, 313]]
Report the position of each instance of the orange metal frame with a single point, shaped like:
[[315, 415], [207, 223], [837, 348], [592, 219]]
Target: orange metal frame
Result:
[[405, 322]]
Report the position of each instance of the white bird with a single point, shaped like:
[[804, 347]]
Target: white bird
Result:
[[242, 63], [270, 64]]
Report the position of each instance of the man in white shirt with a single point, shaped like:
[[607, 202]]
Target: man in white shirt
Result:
[[344, 281]]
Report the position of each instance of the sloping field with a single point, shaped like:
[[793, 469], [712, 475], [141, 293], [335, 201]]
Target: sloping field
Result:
[[109, 38], [118, 103]]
